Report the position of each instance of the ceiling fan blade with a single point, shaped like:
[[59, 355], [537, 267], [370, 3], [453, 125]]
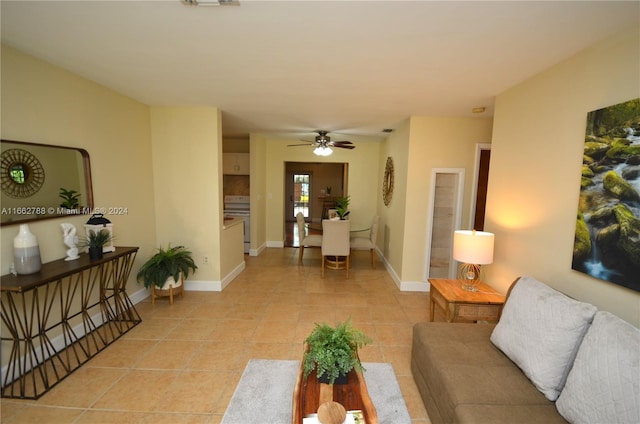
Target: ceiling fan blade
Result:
[[341, 143], [342, 146], [305, 144]]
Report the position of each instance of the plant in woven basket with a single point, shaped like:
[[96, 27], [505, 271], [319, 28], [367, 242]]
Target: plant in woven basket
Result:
[[333, 352], [165, 263]]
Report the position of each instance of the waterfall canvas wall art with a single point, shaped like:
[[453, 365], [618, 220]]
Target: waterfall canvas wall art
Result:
[[607, 236]]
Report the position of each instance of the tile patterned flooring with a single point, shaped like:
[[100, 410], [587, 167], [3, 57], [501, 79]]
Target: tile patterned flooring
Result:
[[183, 362]]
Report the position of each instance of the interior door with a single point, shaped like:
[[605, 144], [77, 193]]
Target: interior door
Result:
[[482, 177]]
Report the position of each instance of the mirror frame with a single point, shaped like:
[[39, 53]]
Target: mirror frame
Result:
[[86, 167]]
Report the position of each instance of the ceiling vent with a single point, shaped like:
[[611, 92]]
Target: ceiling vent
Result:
[[211, 2]]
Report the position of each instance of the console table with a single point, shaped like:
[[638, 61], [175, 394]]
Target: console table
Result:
[[55, 320]]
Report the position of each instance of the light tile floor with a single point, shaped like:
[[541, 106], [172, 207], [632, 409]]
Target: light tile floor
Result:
[[183, 362]]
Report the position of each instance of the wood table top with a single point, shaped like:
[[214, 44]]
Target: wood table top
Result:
[[452, 291]]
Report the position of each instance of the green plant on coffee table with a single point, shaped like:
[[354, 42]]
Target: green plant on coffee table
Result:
[[333, 352], [165, 263]]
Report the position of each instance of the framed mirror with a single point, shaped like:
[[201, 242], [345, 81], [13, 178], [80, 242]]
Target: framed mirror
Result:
[[41, 181]]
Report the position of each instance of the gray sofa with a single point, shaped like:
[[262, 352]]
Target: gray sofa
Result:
[[550, 359]]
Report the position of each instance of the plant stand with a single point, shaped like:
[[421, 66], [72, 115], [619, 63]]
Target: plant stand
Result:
[[169, 289]]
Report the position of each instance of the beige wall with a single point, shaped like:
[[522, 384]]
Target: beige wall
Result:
[[45, 104], [258, 180], [392, 217], [187, 163], [534, 180], [417, 147], [436, 142]]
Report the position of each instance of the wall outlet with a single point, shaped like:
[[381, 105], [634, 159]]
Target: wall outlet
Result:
[[205, 259]]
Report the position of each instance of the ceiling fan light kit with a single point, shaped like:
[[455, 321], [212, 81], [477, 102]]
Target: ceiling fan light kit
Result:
[[323, 144], [211, 2], [322, 151]]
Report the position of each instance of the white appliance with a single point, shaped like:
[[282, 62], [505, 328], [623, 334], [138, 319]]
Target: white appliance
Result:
[[237, 206]]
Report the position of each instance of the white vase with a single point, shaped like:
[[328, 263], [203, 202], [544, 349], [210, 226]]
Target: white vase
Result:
[[26, 252], [170, 282]]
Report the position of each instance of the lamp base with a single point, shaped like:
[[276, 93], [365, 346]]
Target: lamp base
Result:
[[470, 287], [469, 276]]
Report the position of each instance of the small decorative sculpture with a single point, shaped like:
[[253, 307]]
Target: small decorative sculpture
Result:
[[70, 239]]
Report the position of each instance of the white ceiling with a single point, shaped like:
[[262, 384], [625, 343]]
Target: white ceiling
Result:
[[291, 67]]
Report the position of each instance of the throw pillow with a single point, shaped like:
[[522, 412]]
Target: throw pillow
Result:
[[540, 330], [604, 384]]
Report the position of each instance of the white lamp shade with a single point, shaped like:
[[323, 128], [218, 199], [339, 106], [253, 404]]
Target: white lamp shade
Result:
[[322, 151], [473, 247]]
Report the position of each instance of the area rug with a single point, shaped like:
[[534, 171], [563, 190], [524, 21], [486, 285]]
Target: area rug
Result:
[[265, 393]]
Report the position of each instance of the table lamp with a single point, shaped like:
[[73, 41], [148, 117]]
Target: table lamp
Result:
[[472, 249]]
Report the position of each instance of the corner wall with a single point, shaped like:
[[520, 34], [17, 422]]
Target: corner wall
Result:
[[536, 158], [187, 163]]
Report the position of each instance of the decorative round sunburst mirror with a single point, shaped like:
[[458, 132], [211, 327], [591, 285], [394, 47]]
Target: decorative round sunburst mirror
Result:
[[22, 174], [387, 183]]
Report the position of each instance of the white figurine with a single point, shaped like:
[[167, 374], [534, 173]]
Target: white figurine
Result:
[[70, 239]]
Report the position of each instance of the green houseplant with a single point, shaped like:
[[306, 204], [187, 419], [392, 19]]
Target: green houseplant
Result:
[[333, 352], [95, 241], [70, 198], [342, 206], [166, 263]]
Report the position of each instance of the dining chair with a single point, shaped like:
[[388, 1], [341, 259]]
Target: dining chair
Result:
[[368, 243], [311, 240], [335, 244]]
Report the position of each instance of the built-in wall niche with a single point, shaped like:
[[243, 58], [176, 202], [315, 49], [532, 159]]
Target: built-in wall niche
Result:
[[32, 177], [446, 191]]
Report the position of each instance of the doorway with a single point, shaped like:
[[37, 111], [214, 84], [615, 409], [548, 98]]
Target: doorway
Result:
[[479, 195], [309, 187]]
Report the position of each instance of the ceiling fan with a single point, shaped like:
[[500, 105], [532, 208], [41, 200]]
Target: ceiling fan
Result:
[[323, 144]]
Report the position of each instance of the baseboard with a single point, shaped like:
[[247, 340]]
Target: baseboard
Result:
[[258, 251], [415, 286]]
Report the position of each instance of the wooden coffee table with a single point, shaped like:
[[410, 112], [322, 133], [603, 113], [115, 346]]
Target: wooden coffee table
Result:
[[459, 305], [309, 394]]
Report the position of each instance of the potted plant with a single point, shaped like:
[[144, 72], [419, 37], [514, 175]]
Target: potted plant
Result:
[[70, 198], [95, 241], [333, 352], [342, 206], [166, 269]]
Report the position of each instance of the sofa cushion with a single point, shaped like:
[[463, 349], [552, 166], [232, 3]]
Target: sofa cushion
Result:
[[456, 364], [492, 414], [604, 383], [540, 330]]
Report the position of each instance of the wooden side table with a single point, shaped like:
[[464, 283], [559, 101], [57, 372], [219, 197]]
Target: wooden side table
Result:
[[459, 305]]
